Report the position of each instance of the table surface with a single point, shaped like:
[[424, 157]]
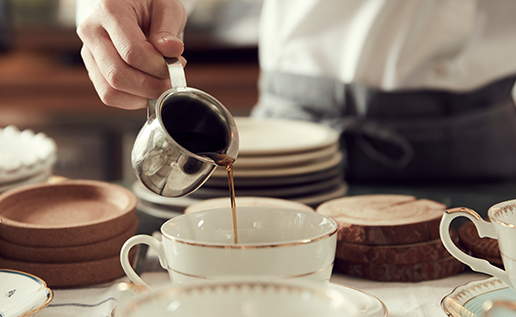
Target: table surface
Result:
[[401, 299]]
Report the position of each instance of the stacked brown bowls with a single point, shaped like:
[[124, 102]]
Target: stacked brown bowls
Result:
[[390, 238], [69, 234]]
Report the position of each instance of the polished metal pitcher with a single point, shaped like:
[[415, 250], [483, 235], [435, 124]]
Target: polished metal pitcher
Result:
[[185, 126]]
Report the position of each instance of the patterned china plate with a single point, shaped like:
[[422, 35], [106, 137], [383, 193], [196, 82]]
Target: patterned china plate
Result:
[[467, 300], [22, 294], [354, 302]]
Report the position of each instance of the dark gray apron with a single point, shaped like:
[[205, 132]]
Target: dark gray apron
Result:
[[413, 135]]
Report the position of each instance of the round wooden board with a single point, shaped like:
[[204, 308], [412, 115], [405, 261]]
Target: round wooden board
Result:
[[428, 251], [386, 272], [385, 219], [486, 248]]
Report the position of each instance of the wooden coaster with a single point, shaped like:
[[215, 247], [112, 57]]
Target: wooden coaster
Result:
[[428, 251], [384, 219], [486, 248], [386, 272]]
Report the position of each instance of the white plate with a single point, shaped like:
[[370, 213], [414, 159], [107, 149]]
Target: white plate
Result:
[[37, 178], [319, 198], [373, 307], [246, 201], [22, 294], [278, 192], [250, 182], [159, 211], [284, 160], [278, 136], [144, 194], [312, 167], [258, 297], [467, 300], [24, 154]]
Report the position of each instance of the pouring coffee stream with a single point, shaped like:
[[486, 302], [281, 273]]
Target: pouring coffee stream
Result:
[[188, 134], [227, 162]]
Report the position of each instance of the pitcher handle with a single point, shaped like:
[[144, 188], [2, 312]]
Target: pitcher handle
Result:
[[177, 81], [484, 229], [154, 243]]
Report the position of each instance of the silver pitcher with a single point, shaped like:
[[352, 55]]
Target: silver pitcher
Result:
[[185, 126]]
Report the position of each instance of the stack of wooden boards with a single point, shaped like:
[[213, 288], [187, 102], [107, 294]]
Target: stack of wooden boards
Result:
[[390, 238]]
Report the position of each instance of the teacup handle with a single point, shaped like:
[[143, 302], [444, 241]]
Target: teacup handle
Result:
[[484, 229], [154, 243], [177, 81]]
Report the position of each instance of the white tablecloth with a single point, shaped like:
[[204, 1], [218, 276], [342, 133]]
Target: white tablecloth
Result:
[[402, 299]]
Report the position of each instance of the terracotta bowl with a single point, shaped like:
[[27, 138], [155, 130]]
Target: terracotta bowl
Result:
[[82, 253], [70, 213], [69, 275]]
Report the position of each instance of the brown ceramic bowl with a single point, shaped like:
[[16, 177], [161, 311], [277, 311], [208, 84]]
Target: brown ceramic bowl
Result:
[[82, 253], [69, 213], [69, 275]]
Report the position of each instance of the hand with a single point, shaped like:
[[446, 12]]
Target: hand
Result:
[[124, 42]]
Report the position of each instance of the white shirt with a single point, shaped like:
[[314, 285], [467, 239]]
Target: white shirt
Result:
[[391, 44]]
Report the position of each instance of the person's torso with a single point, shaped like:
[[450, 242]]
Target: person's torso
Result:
[[391, 44]]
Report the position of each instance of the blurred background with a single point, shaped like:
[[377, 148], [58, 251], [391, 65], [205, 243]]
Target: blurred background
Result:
[[45, 87]]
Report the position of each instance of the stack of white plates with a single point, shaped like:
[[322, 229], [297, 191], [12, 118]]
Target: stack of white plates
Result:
[[25, 157], [292, 160]]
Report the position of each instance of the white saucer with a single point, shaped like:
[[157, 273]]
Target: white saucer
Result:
[[159, 211], [373, 307], [223, 202], [23, 294], [278, 192], [279, 136], [319, 198], [34, 179], [267, 182], [312, 167], [284, 160], [346, 301], [144, 194], [467, 299]]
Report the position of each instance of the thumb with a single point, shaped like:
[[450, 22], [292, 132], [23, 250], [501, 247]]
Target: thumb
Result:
[[166, 27]]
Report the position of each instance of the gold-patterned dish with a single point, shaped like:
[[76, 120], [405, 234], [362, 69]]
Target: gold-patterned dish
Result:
[[22, 294], [467, 300]]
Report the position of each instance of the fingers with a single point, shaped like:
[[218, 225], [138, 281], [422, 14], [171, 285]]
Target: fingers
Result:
[[124, 45], [166, 29], [126, 33], [110, 95]]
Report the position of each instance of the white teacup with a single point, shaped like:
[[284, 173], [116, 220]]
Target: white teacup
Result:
[[274, 243], [502, 227], [241, 297]]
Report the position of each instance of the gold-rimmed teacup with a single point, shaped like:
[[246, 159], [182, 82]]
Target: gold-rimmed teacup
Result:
[[273, 243], [502, 227]]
